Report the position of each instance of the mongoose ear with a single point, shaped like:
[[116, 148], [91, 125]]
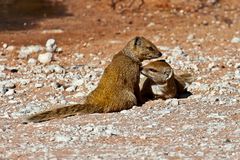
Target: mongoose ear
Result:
[[170, 75], [137, 41]]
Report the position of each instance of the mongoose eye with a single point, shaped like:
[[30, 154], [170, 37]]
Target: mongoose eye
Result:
[[150, 48], [152, 70]]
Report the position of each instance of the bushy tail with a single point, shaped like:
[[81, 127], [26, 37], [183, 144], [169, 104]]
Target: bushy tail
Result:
[[63, 112], [183, 80]]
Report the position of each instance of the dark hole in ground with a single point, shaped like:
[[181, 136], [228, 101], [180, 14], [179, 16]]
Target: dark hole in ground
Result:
[[24, 14]]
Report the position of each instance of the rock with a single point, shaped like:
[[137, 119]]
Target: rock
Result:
[[237, 65], [71, 89], [26, 51], [38, 85], [51, 45], [235, 40], [172, 102], [178, 51], [3, 89], [190, 37], [9, 85], [78, 82], [237, 74], [54, 68], [45, 57], [32, 61], [79, 55], [5, 45], [10, 92]]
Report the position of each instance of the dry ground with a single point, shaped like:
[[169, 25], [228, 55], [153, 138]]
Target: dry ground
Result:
[[193, 35]]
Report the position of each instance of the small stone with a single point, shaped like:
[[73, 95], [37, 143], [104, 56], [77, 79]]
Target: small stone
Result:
[[237, 74], [3, 89], [38, 85], [5, 45], [26, 51], [178, 51], [191, 37], [79, 55], [151, 24], [32, 61], [51, 45], [45, 57], [172, 102], [10, 92], [71, 89], [235, 40], [237, 65], [10, 48], [78, 82], [59, 50], [10, 85]]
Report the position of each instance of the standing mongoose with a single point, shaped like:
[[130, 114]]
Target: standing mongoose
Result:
[[161, 82], [118, 88]]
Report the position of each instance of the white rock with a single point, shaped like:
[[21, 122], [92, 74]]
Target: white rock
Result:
[[10, 92], [172, 102], [38, 85], [78, 82], [237, 74], [79, 55], [9, 84], [32, 61], [190, 37], [5, 45], [54, 68], [51, 45], [25, 51], [45, 57], [235, 40], [71, 89], [178, 51]]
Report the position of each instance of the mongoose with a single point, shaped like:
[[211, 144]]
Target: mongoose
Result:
[[161, 82], [118, 88]]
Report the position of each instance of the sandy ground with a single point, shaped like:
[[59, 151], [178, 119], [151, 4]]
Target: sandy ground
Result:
[[201, 37]]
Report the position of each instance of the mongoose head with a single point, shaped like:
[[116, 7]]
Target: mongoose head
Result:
[[159, 71], [139, 48]]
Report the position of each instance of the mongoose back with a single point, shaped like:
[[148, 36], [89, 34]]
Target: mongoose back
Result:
[[161, 82], [118, 88]]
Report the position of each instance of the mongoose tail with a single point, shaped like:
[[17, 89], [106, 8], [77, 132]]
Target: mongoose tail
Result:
[[183, 80], [65, 111]]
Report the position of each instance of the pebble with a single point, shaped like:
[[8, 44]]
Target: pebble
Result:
[[78, 82], [190, 37], [45, 57], [172, 102], [71, 89], [26, 51], [235, 40], [237, 74], [32, 61], [9, 85], [10, 92], [54, 68], [178, 51], [51, 45], [38, 85], [5, 45]]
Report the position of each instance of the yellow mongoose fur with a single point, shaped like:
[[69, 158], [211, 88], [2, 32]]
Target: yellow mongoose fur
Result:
[[118, 88]]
